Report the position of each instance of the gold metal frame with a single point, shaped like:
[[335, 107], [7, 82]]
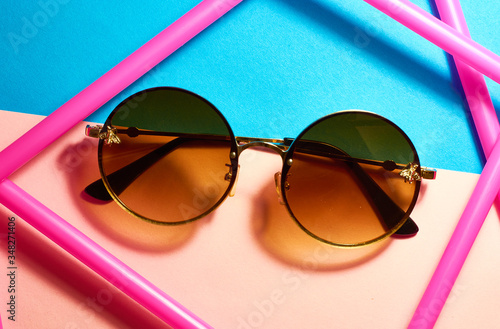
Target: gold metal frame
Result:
[[411, 172]]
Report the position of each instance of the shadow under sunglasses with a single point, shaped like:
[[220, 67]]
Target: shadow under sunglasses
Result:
[[108, 216], [286, 242], [144, 131]]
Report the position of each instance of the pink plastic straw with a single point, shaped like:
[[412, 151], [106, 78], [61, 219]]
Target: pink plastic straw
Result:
[[439, 33], [111, 83], [460, 244], [476, 91], [488, 129], [97, 258], [72, 112]]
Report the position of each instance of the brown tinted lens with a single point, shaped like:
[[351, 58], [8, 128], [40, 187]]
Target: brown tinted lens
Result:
[[344, 201], [169, 167]]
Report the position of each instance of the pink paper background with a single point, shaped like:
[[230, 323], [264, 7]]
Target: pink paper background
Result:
[[245, 266]]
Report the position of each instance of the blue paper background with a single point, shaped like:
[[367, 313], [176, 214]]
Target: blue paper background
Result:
[[271, 66]]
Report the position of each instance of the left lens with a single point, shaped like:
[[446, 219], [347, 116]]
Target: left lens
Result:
[[344, 184], [172, 163]]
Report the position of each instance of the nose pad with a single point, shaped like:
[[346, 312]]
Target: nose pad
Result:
[[277, 182], [229, 175]]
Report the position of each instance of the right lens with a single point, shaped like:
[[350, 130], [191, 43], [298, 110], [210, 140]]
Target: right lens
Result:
[[173, 162], [344, 185]]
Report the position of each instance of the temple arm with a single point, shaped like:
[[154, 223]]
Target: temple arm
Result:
[[388, 210], [125, 176]]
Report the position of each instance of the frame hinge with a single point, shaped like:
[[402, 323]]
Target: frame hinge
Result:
[[93, 131], [428, 173]]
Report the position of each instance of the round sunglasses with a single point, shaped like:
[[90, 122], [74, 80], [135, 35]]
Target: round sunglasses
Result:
[[168, 156]]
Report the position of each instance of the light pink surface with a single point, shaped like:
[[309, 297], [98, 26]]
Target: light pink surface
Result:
[[126, 72], [245, 266]]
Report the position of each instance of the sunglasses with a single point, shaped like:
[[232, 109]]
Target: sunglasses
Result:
[[168, 156]]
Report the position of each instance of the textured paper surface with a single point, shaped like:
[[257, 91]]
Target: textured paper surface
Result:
[[245, 266]]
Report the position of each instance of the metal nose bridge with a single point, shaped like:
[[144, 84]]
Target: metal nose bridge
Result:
[[280, 146]]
